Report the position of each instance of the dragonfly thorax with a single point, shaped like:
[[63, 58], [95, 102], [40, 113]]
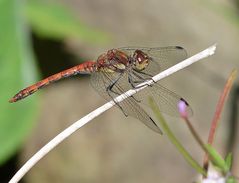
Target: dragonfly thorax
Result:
[[113, 61], [140, 60]]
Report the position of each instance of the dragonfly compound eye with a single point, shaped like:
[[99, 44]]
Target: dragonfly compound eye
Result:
[[141, 59]]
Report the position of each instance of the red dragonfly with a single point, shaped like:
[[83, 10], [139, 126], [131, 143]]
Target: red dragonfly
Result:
[[119, 70]]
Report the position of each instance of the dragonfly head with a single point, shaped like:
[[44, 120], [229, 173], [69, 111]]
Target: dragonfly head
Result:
[[141, 60]]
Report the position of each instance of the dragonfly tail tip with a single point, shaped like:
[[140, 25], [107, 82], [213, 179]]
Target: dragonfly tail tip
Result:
[[11, 100]]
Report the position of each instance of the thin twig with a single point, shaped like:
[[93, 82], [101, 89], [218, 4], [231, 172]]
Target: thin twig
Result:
[[217, 115], [78, 124], [195, 135], [174, 140]]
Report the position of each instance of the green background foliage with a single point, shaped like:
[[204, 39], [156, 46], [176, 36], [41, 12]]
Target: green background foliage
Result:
[[17, 65], [17, 69]]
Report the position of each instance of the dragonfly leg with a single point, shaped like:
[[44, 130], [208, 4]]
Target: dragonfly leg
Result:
[[149, 78], [143, 79], [109, 89], [143, 73], [132, 83], [136, 82], [130, 80]]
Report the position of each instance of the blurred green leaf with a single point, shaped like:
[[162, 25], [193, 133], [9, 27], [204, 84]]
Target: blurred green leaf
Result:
[[228, 161], [56, 21], [229, 13], [231, 179], [17, 70], [216, 158]]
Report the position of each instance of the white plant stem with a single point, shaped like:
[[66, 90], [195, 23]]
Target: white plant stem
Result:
[[78, 124]]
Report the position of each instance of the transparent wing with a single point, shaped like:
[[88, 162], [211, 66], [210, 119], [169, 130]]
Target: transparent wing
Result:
[[162, 57], [165, 99], [101, 80]]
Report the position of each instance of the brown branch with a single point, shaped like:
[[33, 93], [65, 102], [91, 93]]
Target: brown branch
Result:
[[217, 115]]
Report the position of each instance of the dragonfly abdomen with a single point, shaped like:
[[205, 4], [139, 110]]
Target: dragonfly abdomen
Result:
[[85, 68]]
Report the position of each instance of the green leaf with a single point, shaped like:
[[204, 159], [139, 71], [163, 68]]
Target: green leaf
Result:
[[56, 21], [228, 161], [17, 70], [231, 179], [216, 158]]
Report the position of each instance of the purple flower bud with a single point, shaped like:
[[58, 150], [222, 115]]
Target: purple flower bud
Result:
[[182, 108]]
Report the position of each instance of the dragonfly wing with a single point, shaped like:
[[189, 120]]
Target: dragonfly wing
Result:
[[135, 110], [165, 57], [165, 99], [161, 58], [100, 81]]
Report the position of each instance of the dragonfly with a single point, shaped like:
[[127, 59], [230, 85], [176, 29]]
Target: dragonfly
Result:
[[118, 70]]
